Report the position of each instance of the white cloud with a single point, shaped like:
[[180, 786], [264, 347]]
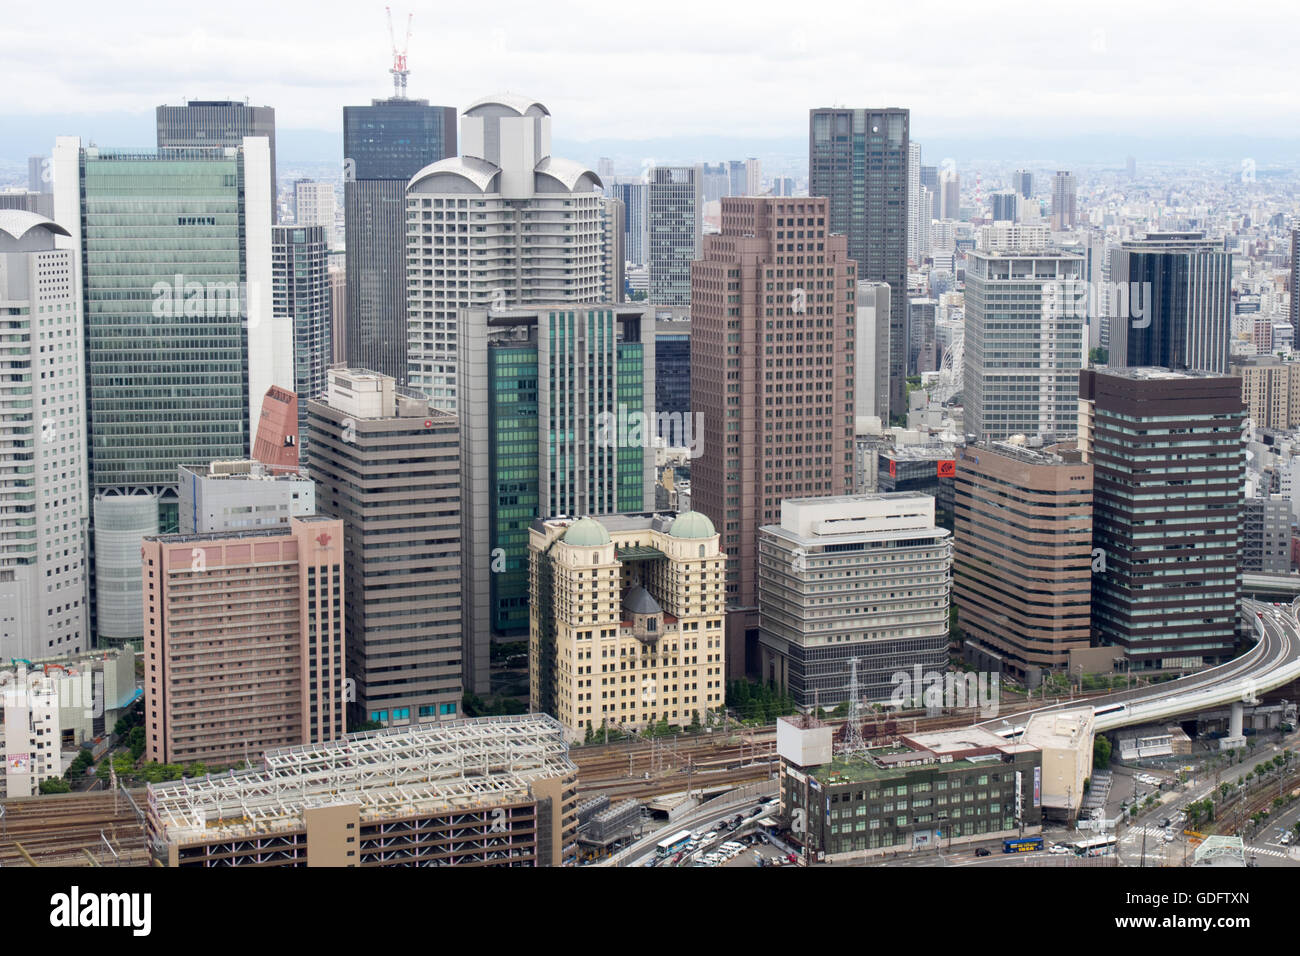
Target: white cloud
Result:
[[636, 70]]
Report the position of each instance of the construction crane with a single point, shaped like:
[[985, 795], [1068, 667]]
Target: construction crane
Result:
[[399, 70]]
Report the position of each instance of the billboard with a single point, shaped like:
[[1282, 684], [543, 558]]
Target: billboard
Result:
[[18, 763], [946, 469], [1038, 786]]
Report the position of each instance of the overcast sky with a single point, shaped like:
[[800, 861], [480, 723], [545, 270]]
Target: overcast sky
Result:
[[626, 70]]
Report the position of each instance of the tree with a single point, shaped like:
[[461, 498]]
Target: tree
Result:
[[1101, 751], [55, 785]]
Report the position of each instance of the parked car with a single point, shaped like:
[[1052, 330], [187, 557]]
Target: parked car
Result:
[[981, 852]]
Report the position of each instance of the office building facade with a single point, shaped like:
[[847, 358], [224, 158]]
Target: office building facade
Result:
[[1024, 343], [565, 426], [858, 159], [301, 297], [181, 341], [1169, 594], [674, 226], [44, 510], [387, 464], [863, 578], [1178, 287], [384, 145], [244, 641], [1064, 211], [505, 224], [206, 123], [1022, 557], [772, 374], [626, 621]]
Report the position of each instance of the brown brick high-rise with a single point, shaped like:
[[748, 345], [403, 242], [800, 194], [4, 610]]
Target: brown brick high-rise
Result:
[[772, 313]]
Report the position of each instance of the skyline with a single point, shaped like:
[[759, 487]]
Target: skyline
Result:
[[968, 77]]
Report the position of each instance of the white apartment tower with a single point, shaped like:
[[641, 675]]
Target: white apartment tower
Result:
[[43, 509], [914, 202], [504, 224]]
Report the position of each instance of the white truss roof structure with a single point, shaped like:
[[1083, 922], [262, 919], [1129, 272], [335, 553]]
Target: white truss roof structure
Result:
[[391, 774]]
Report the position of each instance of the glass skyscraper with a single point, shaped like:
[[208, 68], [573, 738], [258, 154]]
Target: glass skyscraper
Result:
[[301, 293], [857, 158], [180, 342], [564, 392], [384, 145]]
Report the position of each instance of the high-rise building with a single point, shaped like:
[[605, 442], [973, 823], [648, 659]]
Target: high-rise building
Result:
[[563, 424], [605, 169], [301, 296], [949, 195], [314, 204], [504, 224], [43, 506], [244, 644], [632, 196], [645, 590], [715, 181], [181, 341], [871, 353], [384, 145], [1022, 557], [338, 276], [40, 174], [914, 202], [386, 462], [1024, 343], [206, 123], [1022, 181], [858, 160], [832, 575], [1169, 592], [674, 225], [922, 350], [796, 440], [238, 496], [1266, 535], [930, 183], [1064, 214], [1178, 287], [41, 203], [672, 375], [1270, 388], [31, 735], [1294, 290], [1004, 203], [613, 253]]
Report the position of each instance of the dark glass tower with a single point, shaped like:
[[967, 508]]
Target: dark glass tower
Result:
[[1177, 287], [858, 160], [384, 145], [1167, 496], [300, 290]]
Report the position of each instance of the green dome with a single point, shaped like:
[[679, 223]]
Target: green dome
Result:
[[692, 524], [586, 533]]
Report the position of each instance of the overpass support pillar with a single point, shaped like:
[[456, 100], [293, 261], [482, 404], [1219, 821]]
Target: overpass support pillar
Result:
[[1235, 736]]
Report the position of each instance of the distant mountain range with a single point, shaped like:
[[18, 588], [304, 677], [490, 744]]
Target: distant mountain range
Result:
[[24, 136]]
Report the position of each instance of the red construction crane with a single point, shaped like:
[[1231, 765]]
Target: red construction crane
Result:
[[399, 70]]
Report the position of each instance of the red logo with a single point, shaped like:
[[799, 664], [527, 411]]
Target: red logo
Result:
[[324, 538], [947, 469], [428, 423]]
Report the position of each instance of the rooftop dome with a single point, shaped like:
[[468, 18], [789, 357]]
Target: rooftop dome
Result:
[[641, 601], [692, 524], [586, 533]]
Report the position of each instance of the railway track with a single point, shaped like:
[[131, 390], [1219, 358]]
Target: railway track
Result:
[[60, 829]]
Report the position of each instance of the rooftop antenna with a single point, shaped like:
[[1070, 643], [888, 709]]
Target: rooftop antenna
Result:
[[399, 70], [853, 745]]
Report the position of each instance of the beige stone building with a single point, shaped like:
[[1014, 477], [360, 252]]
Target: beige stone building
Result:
[[1271, 390], [626, 620]]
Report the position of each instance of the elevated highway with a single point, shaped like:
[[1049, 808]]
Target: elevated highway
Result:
[[1272, 662]]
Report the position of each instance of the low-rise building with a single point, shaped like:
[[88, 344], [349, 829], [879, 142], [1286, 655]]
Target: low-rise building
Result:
[[491, 791], [910, 792]]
